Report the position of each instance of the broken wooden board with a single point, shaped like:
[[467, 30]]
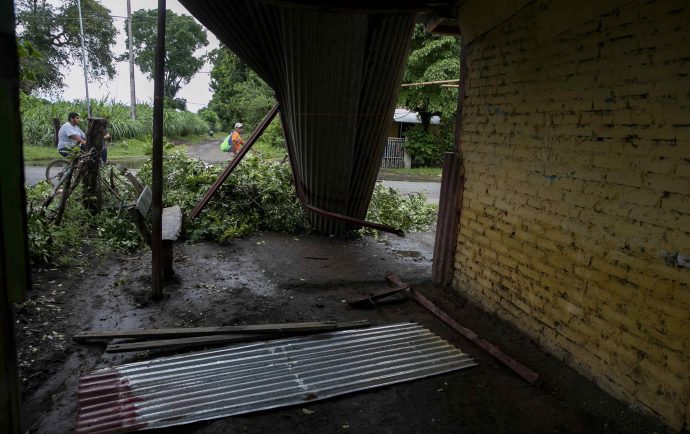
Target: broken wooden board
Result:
[[192, 342], [371, 299], [207, 341], [305, 327]]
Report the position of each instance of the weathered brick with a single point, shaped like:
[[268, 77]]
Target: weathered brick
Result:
[[579, 197]]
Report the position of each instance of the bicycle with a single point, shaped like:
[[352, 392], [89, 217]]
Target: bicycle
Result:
[[66, 174]]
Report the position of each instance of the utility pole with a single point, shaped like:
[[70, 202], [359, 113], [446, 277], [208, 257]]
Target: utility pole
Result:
[[83, 59], [132, 93]]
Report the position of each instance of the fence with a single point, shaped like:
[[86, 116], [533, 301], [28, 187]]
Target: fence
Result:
[[394, 154]]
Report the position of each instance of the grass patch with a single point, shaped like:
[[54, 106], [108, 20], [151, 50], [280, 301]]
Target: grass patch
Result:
[[419, 174]]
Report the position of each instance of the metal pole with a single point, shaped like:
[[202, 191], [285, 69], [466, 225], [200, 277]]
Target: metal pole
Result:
[[157, 160], [83, 60], [132, 93]]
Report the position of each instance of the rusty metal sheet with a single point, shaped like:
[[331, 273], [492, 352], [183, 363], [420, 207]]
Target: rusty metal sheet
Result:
[[336, 75], [251, 377]]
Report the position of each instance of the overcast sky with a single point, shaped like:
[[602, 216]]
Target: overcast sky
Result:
[[196, 92]]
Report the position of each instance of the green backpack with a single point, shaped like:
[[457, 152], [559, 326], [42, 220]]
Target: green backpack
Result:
[[225, 144]]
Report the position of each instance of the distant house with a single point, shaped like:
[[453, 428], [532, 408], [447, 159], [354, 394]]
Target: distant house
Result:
[[404, 119]]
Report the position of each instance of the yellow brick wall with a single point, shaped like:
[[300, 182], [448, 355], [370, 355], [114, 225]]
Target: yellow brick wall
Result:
[[577, 196]]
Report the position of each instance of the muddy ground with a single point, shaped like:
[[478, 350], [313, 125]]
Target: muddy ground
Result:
[[273, 278]]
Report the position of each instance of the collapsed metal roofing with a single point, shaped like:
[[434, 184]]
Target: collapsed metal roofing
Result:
[[336, 71], [245, 378]]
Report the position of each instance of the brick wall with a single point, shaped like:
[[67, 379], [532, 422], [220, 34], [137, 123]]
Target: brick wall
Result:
[[576, 210]]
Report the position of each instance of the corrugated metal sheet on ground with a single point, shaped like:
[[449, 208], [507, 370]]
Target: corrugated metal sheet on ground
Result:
[[244, 378]]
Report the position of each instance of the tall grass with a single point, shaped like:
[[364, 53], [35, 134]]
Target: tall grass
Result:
[[37, 115]]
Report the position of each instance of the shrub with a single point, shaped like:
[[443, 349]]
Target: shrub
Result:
[[258, 196], [427, 148]]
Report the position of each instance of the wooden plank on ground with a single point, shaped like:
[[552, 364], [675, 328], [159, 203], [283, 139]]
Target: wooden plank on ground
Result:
[[179, 343], [371, 299], [206, 341], [305, 327]]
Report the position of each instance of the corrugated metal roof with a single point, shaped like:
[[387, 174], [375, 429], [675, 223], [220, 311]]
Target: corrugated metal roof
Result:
[[251, 377], [336, 75]]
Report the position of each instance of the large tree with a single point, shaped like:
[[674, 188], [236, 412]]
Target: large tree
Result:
[[239, 95], [54, 33], [432, 58], [183, 38]]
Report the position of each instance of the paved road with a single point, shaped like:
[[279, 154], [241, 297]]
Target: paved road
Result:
[[34, 174], [432, 190]]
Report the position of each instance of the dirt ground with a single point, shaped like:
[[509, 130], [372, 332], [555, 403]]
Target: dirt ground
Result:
[[273, 278]]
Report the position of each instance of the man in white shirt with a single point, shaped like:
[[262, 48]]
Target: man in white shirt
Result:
[[70, 135]]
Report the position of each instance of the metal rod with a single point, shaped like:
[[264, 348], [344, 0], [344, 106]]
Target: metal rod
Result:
[[83, 60], [523, 371], [265, 122], [132, 92], [157, 160]]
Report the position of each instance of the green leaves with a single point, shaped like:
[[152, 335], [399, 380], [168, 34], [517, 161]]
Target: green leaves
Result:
[[432, 58], [37, 117], [54, 33], [239, 95]]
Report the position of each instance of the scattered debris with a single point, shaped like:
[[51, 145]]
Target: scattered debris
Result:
[[523, 371], [197, 336], [246, 378], [303, 327], [371, 299]]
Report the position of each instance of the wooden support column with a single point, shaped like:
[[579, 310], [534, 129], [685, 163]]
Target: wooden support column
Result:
[[14, 277], [450, 203], [93, 199], [157, 160]]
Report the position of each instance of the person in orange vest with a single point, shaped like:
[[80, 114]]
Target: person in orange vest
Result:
[[234, 142], [236, 139]]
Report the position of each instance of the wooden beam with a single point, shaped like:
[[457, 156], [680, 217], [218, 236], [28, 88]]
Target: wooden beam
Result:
[[14, 275], [206, 331], [184, 343], [157, 160], [523, 371], [265, 122], [430, 83], [205, 341]]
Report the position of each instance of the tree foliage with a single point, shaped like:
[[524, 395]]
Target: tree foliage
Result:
[[239, 95], [54, 33], [183, 38], [432, 58]]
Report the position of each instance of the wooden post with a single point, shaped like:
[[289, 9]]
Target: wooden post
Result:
[[14, 277], [157, 160], [450, 203], [94, 143]]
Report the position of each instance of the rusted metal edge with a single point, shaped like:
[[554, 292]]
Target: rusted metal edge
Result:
[[523, 371], [299, 188], [265, 122]]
